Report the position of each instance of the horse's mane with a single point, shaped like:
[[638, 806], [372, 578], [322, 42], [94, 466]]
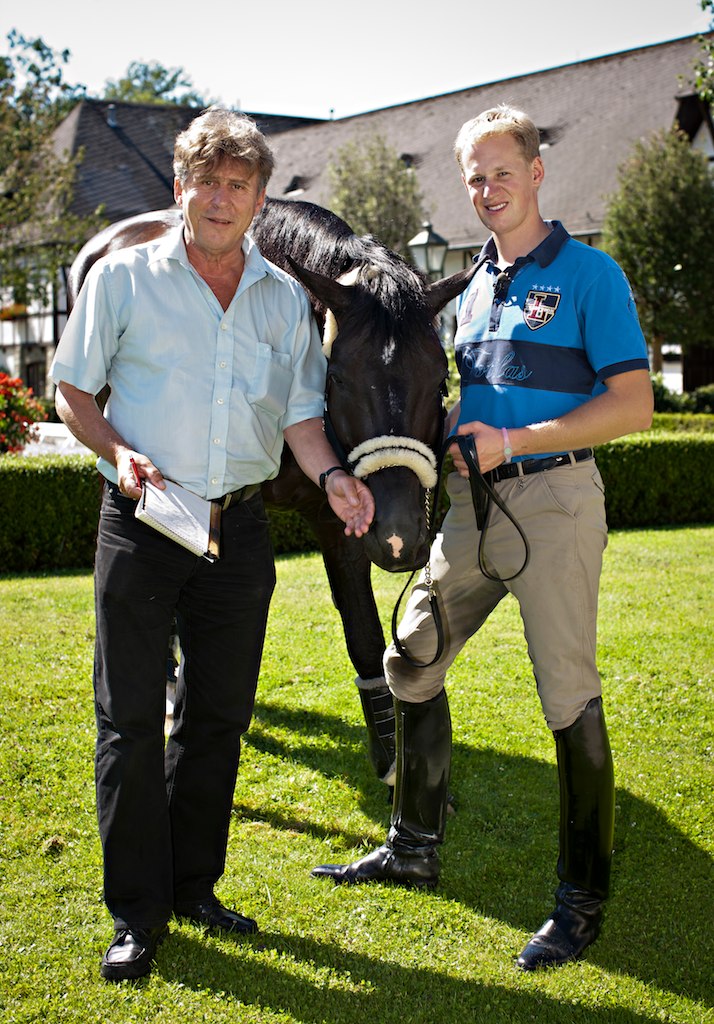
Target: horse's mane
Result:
[[321, 241]]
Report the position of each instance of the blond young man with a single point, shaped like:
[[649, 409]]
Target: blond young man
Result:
[[552, 362]]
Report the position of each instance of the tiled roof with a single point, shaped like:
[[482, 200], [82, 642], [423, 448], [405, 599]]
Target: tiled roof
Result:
[[591, 112], [128, 151]]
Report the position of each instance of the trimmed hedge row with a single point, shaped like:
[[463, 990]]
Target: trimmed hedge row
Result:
[[48, 511], [658, 479], [49, 504], [692, 422]]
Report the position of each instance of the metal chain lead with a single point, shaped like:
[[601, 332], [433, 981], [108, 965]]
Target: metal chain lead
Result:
[[427, 516]]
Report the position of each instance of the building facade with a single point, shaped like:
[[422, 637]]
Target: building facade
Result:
[[589, 113]]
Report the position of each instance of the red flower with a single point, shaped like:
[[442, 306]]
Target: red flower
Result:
[[19, 412]]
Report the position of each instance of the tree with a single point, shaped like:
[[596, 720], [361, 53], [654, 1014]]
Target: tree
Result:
[[658, 228], [153, 83], [704, 68], [38, 234], [375, 192]]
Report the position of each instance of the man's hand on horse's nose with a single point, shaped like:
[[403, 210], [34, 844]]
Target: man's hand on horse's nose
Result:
[[352, 501]]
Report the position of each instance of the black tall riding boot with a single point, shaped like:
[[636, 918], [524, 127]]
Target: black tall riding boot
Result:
[[587, 818], [378, 710], [409, 856]]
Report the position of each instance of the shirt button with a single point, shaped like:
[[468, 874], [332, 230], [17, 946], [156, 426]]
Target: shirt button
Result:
[[216, 440], [222, 365], [214, 479], [219, 401], [224, 327]]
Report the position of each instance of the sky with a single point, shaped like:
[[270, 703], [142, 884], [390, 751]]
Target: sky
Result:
[[324, 58]]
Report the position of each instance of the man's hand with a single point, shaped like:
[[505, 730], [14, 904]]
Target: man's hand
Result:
[[79, 410], [352, 501], [132, 469], [489, 447]]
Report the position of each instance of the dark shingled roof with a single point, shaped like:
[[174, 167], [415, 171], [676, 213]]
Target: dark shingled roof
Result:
[[590, 114], [128, 151]]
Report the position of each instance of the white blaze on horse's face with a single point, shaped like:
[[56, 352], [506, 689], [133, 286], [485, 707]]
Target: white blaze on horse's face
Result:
[[218, 206], [396, 544], [389, 351]]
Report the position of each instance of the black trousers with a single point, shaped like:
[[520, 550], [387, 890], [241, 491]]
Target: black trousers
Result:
[[164, 807]]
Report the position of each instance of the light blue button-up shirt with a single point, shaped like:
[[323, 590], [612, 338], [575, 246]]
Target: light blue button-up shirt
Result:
[[206, 394]]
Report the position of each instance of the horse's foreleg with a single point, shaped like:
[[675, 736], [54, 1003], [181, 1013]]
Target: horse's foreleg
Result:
[[348, 571]]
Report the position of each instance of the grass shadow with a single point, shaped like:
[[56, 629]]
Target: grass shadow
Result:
[[501, 849], [339, 985]]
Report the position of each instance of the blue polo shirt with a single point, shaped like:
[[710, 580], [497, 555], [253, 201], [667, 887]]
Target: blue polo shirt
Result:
[[538, 340]]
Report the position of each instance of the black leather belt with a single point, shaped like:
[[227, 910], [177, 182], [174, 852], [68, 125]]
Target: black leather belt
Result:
[[528, 466], [235, 497]]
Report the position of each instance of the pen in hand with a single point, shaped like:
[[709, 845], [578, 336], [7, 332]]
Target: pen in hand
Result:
[[135, 471]]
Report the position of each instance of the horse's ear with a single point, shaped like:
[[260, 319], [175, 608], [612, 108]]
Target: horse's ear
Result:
[[441, 292], [333, 295]]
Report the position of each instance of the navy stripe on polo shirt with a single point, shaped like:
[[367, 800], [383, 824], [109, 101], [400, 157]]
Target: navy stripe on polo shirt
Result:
[[525, 364]]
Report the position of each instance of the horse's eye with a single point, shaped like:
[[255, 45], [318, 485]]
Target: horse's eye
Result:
[[333, 378]]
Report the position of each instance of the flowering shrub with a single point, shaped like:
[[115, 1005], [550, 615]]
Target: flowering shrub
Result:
[[19, 412]]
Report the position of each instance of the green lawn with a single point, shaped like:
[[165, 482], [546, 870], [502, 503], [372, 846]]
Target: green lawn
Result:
[[306, 795]]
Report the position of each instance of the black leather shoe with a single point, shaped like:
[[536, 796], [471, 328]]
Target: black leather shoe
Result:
[[417, 869], [211, 913], [565, 935], [131, 953]]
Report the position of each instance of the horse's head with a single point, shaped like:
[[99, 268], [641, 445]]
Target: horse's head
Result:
[[384, 396]]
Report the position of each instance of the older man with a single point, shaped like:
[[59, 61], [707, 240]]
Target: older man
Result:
[[213, 360]]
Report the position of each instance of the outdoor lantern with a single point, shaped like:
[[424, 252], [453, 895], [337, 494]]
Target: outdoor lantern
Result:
[[429, 251]]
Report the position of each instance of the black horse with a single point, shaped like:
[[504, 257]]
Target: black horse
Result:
[[383, 409]]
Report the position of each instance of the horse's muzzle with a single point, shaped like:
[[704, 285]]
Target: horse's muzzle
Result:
[[395, 550]]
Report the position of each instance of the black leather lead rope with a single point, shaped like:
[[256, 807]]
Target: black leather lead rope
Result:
[[482, 495]]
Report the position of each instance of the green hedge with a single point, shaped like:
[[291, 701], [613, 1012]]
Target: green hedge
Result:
[[691, 422], [49, 504], [658, 478], [48, 511]]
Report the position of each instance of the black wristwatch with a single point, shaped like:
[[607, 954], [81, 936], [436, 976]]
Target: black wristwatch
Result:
[[324, 476]]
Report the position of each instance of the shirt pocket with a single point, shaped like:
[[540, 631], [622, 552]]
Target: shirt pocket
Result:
[[272, 380]]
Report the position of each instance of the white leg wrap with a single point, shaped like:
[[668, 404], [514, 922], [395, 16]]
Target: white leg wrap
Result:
[[370, 684]]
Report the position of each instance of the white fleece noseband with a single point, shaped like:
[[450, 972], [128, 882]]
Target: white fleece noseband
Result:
[[382, 452]]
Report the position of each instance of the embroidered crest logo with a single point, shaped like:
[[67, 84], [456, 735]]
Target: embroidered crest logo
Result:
[[539, 308]]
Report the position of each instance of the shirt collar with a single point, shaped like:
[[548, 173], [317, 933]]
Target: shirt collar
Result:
[[543, 254], [173, 247]]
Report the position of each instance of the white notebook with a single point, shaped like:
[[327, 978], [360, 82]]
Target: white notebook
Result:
[[183, 516]]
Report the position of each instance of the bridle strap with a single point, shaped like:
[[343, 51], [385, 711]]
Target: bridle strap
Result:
[[482, 495], [386, 451]]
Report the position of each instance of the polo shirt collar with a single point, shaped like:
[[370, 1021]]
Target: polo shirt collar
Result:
[[543, 254]]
